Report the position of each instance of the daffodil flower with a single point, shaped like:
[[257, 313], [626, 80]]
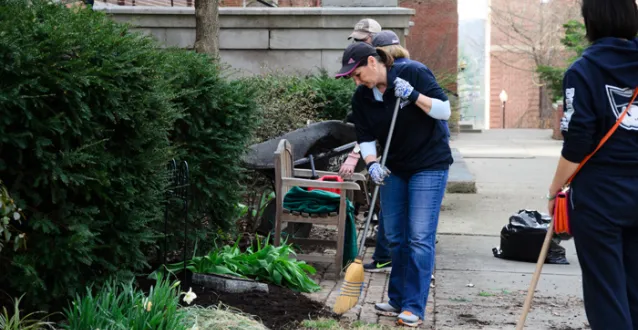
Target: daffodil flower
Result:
[[189, 296]]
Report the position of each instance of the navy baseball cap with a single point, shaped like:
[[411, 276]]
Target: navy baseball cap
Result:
[[353, 56], [385, 38]]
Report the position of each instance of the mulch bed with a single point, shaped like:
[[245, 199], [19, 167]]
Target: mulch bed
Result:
[[280, 308]]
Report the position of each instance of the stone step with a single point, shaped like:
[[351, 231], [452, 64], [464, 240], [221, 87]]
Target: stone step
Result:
[[469, 128], [460, 179]]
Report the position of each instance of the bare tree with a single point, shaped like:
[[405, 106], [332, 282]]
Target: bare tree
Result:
[[534, 29], [207, 27]]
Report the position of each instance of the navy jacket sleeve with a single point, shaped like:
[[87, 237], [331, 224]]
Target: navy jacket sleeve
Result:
[[364, 132], [578, 124], [425, 83]]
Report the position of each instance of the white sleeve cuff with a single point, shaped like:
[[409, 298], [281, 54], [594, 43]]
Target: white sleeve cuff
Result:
[[440, 110], [368, 148]]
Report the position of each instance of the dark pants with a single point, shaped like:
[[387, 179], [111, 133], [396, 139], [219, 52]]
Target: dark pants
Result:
[[382, 249], [604, 222]]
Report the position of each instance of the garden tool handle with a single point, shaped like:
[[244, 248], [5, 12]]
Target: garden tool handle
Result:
[[312, 167], [537, 274], [376, 188]]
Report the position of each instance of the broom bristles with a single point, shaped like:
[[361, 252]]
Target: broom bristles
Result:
[[351, 288]]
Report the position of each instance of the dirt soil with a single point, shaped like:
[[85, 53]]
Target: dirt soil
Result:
[[280, 308]]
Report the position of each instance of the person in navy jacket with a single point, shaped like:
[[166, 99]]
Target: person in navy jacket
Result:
[[389, 42], [604, 194], [414, 178]]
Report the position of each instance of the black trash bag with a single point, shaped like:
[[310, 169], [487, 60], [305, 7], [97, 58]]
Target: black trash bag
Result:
[[522, 239]]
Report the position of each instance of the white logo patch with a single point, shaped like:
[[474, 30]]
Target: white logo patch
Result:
[[569, 111], [619, 100]]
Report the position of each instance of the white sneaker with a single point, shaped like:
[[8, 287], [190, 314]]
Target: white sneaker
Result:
[[386, 309], [408, 319]]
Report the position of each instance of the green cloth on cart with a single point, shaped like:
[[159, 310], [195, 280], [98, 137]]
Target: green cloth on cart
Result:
[[321, 201]]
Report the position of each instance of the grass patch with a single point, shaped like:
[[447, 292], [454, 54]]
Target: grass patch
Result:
[[222, 317]]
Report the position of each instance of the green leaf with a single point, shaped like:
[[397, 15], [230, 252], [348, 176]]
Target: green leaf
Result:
[[277, 277]]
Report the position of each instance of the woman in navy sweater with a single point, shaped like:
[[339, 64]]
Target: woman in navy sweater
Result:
[[417, 166], [604, 194]]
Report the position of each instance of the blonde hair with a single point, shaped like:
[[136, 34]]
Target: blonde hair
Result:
[[396, 51]]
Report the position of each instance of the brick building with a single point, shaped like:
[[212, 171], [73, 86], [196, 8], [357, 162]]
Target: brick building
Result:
[[523, 34], [433, 40]]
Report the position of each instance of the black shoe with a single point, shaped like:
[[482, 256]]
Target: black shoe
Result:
[[378, 267]]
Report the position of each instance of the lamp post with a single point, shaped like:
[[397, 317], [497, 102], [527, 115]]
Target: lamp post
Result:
[[503, 97]]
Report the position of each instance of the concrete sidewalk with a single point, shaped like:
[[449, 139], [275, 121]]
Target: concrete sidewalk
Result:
[[474, 289]]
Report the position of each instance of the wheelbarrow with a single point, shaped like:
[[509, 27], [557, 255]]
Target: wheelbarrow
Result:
[[329, 143]]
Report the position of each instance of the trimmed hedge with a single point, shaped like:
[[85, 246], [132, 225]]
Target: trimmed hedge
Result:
[[90, 114], [84, 123], [218, 120]]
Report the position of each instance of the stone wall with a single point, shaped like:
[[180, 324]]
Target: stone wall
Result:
[[261, 40]]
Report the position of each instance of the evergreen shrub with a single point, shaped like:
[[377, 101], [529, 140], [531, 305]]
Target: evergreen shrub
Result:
[[85, 117]]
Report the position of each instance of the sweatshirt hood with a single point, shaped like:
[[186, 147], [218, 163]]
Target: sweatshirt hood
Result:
[[616, 57]]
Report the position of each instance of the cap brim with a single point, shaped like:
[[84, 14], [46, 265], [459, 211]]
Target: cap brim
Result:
[[358, 35], [346, 70]]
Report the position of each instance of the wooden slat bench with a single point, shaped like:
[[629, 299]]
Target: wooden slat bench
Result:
[[287, 177]]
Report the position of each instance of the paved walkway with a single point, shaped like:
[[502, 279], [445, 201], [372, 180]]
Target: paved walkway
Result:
[[375, 291], [475, 290]]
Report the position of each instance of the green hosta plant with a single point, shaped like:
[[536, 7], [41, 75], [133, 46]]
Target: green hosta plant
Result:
[[123, 307], [267, 263]]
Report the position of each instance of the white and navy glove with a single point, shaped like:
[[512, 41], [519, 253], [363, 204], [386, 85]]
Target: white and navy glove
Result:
[[378, 173], [403, 90]]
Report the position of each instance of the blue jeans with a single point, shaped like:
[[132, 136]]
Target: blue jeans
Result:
[[410, 217], [381, 250]]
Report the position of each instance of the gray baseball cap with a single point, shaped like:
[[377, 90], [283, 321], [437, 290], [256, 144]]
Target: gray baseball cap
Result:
[[364, 28], [385, 38]]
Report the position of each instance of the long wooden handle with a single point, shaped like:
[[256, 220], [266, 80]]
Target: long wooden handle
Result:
[[536, 277]]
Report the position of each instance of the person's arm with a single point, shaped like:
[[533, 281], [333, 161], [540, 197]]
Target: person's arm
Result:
[[367, 143], [435, 108], [369, 151], [365, 138], [428, 95], [578, 127]]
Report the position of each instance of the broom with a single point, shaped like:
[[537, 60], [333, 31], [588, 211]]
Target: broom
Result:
[[354, 278], [537, 275]]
